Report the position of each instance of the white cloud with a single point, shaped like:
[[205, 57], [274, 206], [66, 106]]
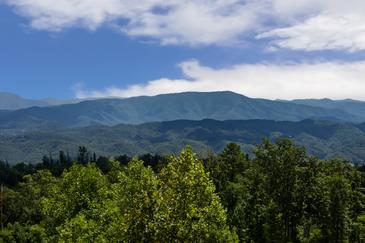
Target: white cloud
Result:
[[190, 22], [273, 81], [199, 22], [319, 25], [296, 24], [322, 32]]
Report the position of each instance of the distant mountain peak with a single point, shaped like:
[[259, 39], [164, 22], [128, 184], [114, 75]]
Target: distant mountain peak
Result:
[[4, 94], [11, 101], [188, 105]]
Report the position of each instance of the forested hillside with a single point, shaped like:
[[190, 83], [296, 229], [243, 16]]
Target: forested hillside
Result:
[[324, 139], [353, 107], [192, 106], [279, 195]]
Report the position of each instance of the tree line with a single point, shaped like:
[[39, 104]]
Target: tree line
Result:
[[11, 175], [279, 195]]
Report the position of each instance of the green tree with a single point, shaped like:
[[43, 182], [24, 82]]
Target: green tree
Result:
[[80, 207], [280, 162], [17, 232], [249, 204], [188, 208], [224, 167], [135, 190], [339, 192], [83, 155]]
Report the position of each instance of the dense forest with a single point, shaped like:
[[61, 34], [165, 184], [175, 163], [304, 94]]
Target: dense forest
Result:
[[323, 139], [280, 194]]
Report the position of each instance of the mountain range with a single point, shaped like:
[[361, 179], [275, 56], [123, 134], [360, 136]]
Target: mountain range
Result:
[[10, 101], [353, 107], [165, 123], [168, 107], [324, 139]]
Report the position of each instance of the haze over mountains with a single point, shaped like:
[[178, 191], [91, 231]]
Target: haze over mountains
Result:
[[165, 123], [353, 107], [168, 107], [10, 101], [324, 139]]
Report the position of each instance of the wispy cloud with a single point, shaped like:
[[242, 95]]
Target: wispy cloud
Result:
[[314, 25], [191, 22], [273, 81], [323, 32], [301, 24]]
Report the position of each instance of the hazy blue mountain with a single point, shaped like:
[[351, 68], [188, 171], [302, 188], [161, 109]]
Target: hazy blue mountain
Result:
[[361, 126], [353, 107], [322, 138], [9, 101], [190, 105]]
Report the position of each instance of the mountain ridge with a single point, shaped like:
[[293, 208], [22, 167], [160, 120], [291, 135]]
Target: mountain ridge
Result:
[[189, 105], [354, 107], [325, 139], [11, 101]]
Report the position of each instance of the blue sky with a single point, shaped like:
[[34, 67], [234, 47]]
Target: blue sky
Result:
[[263, 48]]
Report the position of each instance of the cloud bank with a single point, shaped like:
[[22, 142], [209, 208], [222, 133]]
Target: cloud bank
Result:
[[334, 80], [308, 25]]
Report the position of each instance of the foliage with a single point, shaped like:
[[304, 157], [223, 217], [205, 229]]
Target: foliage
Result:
[[323, 139], [135, 190], [280, 195], [188, 208]]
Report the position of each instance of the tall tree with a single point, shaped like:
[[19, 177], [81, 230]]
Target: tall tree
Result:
[[280, 162], [188, 208], [134, 190]]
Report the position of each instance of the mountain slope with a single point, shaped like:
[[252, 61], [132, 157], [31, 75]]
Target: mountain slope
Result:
[[9, 101], [321, 138], [192, 106], [353, 107]]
